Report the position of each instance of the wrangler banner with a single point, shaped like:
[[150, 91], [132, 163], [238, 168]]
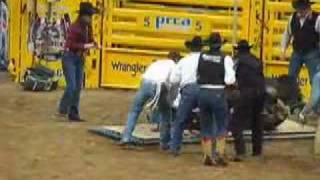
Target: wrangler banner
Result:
[[124, 70]]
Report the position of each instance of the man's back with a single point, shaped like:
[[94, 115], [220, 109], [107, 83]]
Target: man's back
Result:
[[159, 70], [186, 70], [249, 71]]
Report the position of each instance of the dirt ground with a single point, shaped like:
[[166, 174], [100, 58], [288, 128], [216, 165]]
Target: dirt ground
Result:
[[36, 145]]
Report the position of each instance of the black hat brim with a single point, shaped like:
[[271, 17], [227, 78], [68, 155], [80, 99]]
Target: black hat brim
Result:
[[208, 43], [297, 5], [243, 47], [190, 44], [90, 12]]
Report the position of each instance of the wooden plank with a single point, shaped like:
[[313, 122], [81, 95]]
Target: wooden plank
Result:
[[288, 130]]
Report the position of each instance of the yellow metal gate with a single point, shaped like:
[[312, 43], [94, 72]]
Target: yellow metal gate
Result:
[[136, 32], [139, 31], [23, 12]]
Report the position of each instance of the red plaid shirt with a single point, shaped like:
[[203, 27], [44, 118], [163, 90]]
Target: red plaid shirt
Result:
[[78, 35]]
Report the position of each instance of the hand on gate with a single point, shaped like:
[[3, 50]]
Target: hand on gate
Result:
[[89, 45], [92, 46], [97, 46]]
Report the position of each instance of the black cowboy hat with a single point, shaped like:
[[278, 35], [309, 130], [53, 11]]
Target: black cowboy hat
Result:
[[242, 45], [301, 4], [195, 42], [214, 40], [86, 8]]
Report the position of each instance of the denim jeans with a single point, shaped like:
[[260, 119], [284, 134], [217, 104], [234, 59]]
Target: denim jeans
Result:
[[315, 92], [248, 112], [165, 119], [146, 92], [311, 60], [72, 66], [213, 112], [189, 101], [3, 50]]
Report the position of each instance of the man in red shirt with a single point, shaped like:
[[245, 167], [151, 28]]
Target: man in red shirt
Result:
[[79, 41]]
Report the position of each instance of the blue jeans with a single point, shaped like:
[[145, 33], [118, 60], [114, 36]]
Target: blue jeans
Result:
[[165, 119], [213, 112], [311, 60], [3, 50], [72, 66], [189, 101], [315, 92], [146, 92]]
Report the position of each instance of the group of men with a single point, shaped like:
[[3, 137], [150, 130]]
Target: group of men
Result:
[[199, 80], [203, 76]]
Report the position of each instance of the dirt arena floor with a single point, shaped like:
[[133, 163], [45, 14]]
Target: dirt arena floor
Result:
[[36, 145]]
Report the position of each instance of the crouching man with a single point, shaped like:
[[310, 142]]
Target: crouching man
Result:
[[153, 82]]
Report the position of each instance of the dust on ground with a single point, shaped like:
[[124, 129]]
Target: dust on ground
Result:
[[36, 145]]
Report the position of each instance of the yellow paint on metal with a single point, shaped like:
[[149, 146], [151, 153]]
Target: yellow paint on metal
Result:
[[26, 58], [206, 3], [146, 27], [123, 69], [137, 31], [21, 16], [14, 7]]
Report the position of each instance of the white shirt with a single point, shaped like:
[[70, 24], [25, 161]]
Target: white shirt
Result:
[[288, 32], [159, 71], [230, 73], [186, 70]]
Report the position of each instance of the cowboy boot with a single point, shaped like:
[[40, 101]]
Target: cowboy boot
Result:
[[207, 151], [221, 151]]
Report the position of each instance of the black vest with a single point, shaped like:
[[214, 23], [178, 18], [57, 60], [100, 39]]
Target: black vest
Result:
[[249, 72], [305, 38], [211, 69]]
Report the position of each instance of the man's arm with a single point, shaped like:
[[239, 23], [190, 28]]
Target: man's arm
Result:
[[286, 38], [230, 74], [317, 26]]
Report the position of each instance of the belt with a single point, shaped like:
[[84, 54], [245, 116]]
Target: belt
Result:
[[210, 86], [79, 53]]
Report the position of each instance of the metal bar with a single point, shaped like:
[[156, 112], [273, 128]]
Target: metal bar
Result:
[[215, 3], [127, 12], [235, 22]]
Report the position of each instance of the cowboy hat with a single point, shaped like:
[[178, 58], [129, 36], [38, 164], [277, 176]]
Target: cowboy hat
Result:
[[86, 8], [301, 4], [194, 43], [214, 40], [242, 45]]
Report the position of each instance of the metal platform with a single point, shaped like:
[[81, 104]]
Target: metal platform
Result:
[[144, 136]]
